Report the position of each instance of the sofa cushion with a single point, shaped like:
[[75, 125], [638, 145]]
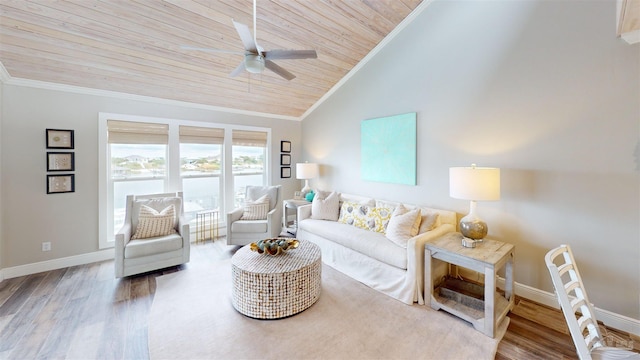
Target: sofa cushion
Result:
[[325, 206], [404, 225], [372, 244], [152, 223], [256, 210], [152, 246]]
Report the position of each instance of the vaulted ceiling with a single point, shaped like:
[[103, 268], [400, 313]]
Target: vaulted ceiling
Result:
[[136, 46]]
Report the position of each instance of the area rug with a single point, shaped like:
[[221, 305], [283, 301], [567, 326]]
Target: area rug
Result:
[[192, 318]]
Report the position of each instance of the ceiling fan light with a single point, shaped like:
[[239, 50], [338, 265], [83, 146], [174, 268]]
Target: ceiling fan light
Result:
[[254, 63]]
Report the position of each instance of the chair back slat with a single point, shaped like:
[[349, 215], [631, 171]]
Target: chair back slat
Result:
[[577, 309]]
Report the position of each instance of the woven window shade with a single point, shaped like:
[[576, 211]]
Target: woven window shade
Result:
[[201, 135], [129, 132], [249, 138]]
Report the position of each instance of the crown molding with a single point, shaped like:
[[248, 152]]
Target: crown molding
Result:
[[8, 80]]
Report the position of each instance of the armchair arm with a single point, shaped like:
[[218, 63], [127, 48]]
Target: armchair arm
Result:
[[122, 238], [415, 256], [234, 215], [274, 221]]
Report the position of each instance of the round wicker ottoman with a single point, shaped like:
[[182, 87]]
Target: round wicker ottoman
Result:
[[273, 287]]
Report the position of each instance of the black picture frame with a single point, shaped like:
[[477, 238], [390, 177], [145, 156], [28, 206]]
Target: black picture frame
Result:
[[285, 146], [63, 183], [61, 161], [285, 159], [285, 172], [59, 139]]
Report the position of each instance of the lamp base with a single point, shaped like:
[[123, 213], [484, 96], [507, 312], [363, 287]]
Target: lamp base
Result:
[[470, 243], [471, 226]]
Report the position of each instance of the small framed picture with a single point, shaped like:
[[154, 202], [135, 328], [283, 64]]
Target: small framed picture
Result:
[[285, 146], [59, 139], [285, 159], [285, 172], [297, 195], [60, 161], [61, 183]]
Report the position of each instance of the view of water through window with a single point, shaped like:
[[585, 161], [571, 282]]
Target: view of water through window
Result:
[[142, 169]]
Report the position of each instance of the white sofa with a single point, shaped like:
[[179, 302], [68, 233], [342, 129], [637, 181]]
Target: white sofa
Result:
[[370, 257]]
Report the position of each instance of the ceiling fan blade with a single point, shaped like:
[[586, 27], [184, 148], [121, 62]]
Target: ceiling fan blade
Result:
[[245, 36], [278, 70], [290, 54], [237, 70], [210, 50]]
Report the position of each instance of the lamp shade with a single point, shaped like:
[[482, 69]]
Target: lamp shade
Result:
[[474, 183], [306, 171]]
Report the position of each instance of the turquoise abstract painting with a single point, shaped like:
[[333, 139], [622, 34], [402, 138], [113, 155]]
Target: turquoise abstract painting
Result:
[[388, 149]]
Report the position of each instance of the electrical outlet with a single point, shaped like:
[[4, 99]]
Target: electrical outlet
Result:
[[46, 246]]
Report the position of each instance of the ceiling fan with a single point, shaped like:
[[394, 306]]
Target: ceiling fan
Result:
[[256, 59]]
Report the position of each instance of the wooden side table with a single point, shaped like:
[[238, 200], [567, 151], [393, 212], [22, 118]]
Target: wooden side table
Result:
[[485, 312]]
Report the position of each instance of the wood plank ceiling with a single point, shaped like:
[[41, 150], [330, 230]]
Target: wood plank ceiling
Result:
[[134, 46]]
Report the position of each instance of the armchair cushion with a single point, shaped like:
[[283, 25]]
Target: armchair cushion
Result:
[[152, 246], [256, 210], [152, 223], [250, 226]]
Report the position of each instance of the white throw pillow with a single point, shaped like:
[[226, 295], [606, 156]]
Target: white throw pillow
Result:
[[152, 223], [325, 208], [430, 220], [403, 225], [256, 210]]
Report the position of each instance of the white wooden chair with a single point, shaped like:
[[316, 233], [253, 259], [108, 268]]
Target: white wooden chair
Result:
[[578, 311]]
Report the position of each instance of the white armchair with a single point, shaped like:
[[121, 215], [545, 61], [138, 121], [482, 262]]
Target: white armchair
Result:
[[242, 232], [154, 239]]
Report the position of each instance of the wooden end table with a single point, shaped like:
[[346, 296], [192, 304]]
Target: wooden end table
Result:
[[488, 257]]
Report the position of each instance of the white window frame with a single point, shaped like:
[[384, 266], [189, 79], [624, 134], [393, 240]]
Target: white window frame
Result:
[[174, 179]]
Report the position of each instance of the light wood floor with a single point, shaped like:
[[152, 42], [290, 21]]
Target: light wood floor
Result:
[[82, 312]]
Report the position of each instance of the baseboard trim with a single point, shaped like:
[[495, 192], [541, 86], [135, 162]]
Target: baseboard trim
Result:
[[48, 265], [609, 318]]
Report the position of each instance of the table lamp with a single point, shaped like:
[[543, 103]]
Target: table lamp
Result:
[[306, 171], [474, 184]]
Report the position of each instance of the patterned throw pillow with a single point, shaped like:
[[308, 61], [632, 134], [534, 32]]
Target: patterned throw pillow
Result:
[[256, 210], [364, 216], [404, 225], [152, 223]]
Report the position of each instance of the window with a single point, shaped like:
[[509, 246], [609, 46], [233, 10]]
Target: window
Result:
[[138, 158], [249, 153], [210, 163], [201, 168]]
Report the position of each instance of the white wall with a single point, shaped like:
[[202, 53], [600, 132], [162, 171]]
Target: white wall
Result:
[[543, 90], [70, 221]]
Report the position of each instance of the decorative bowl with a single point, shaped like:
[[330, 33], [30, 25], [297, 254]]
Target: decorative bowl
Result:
[[274, 246]]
